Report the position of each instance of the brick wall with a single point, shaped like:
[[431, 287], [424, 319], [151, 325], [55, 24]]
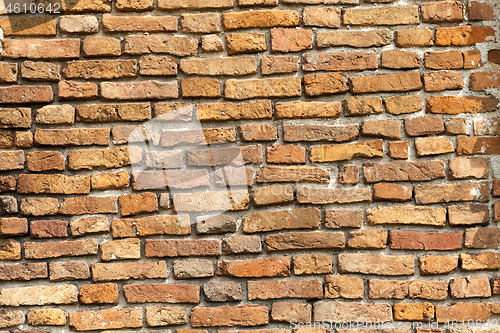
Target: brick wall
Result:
[[192, 166]]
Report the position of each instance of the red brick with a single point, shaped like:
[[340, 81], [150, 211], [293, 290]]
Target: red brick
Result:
[[339, 61], [291, 40], [112, 23], [464, 35], [260, 19], [239, 315], [262, 88], [386, 83], [261, 267], [415, 37], [161, 293], [371, 38], [41, 48], [477, 145], [125, 271], [182, 248], [15, 118], [234, 111], [479, 11], [459, 104], [200, 88], [280, 220], [305, 241], [106, 319], [48, 229], [327, 17], [200, 23], [69, 270], [343, 218], [444, 59], [23, 272], [423, 126], [13, 226], [26, 94], [391, 192], [43, 250], [7, 184], [442, 11], [269, 289], [113, 112], [324, 84], [428, 241], [174, 45], [40, 71], [484, 80], [321, 196], [234, 66], [443, 80], [274, 64], [72, 90], [106, 293], [55, 184]]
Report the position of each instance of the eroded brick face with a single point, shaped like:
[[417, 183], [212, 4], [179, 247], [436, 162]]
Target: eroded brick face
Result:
[[229, 166]]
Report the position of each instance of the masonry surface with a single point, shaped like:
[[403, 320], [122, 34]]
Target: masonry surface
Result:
[[196, 166]]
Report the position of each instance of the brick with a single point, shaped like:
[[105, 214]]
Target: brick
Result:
[[385, 83], [398, 59], [211, 201], [233, 66], [200, 88], [484, 80], [165, 316], [200, 23], [153, 225], [193, 268], [327, 17], [496, 187], [472, 59], [53, 184], [367, 239], [268, 289], [225, 156], [464, 35], [295, 133], [312, 264], [124, 271], [136, 5], [101, 6], [457, 105], [479, 11], [444, 59], [234, 176], [307, 110], [133, 204], [326, 2], [129, 248], [37, 206], [245, 43], [26, 94], [15, 118], [211, 43], [85, 24], [258, 88], [8, 72], [234, 111], [465, 311], [382, 16], [105, 293], [72, 90], [287, 154], [442, 11], [468, 168], [112, 23], [69, 270], [291, 40], [471, 286], [113, 112], [43, 295], [352, 311], [416, 37], [173, 111], [56, 115], [45, 161], [194, 4], [362, 106], [428, 241], [7, 139], [274, 64], [241, 244], [43, 317], [164, 160], [13, 226], [377, 264], [157, 65], [161, 293], [41, 48], [292, 174], [23, 139], [496, 211], [398, 150], [33, 26], [222, 291], [372, 38], [10, 249], [490, 126], [48, 229], [480, 261], [387, 129], [340, 218], [272, 195], [96, 46], [431, 265], [92, 159], [433, 146], [285, 312], [320, 196], [7, 184], [109, 180], [305, 241], [239, 315], [182, 248], [324, 84], [482, 238], [414, 311], [403, 104], [337, 286], [339, 61], [10, 318], [174, 45], [266, 3], [396, 289], [468, 214], [471, 191], [106, 319], [8, 205], [391, 192], [217, 224], [346, 151], [139, 90], [423, 126], [260, 19], [280, 220], [43, 250], [23, 272], [72, 137], [477, 145], [443, 80], [261, 267], [254, 132]]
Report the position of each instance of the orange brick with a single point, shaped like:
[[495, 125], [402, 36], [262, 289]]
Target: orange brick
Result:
[[442, 11], [464, 35], [291, 40]]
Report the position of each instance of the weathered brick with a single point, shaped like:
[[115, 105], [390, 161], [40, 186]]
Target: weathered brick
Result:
[[7, 139], [45, 161], [292, 174], [287, 154], [369, 38], [459, 104], [10, 249], [222, 291], [8, 205], [255, 88], [56, 115], [10, 318], [308, 109], [429, 241], [72, 137], [8, 72], [470, 286], [338, 286], [92, 159], [305, 241], [165, 316], [25, 94], [433, 146], [182, 248], [44, 317], [285, 312], [239, 315], [13, 226], [423, 126], [482, 238], [113, 112], [134, 5], [200, 88], [489, 126], [43, 250], [260, 19], [327, 17], [468, 214], [105, 293], [109, 180], [414, 312], [174, 45], [38, 206], [324, 84], [48, 229], [219, 66], [140, 90], [341, 218], [43, 295], [274, 64], [382, 16], [99, 69], [112, 23], [218, 224], [241, 244], [295, 133], [194, 4], [291, 40], [8, 184], [416, 37], [279, 220], [106, 319], [346, 151], [352, 311], [261, 267], [340, 61], [152, 225], [480, 261], [385, 83], [319, 196], [72, 90], [69, 270], [377, 264], [312, 264], [23, 272], [464, 35], [41, 48], [100, 6], [442, 11], [23, 139], [254, 132], [471, 191], [477, 145], [124, 271], [480, 11], [431, 265], [96, 46], [193, 268], [468, 168], [396, 289], [211, 201], [15, 118], [161, 293], [211, 43], [398, 59], [472, 59], [54, 184], [272, 195], [234, 111], [444, 59], [391, 192], [362, 106], [387, 129], [129, 248], [403, 104], [465, 311], [403, 171], [269, 289], [85, 24], [484, 80], [133, 204], [443, 80], [200, 23], [367, 239], [245, 43]]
